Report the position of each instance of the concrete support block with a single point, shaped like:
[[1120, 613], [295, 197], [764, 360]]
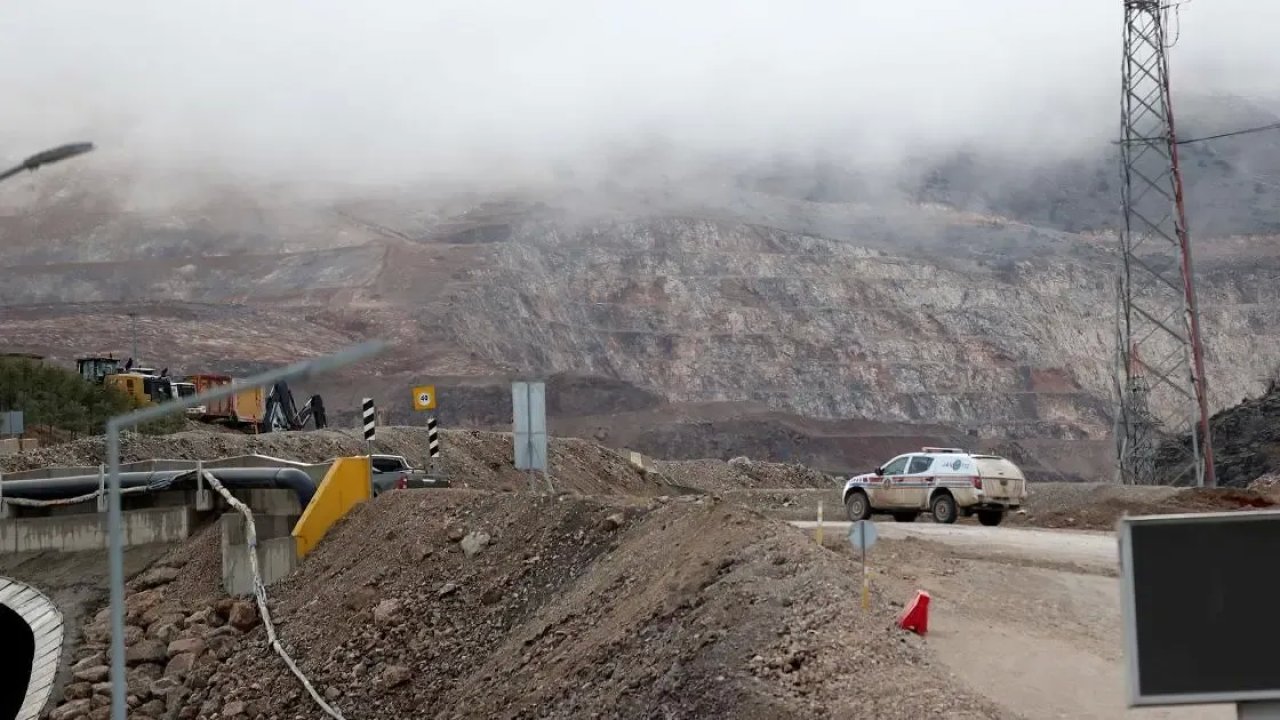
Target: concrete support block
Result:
[[264, 501], [268, 527], [277, 552], [89, 531], [204, 500]]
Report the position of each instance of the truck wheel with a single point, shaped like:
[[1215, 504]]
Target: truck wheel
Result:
[[857, 505], [909, 516], [990, 518], [943, 508]]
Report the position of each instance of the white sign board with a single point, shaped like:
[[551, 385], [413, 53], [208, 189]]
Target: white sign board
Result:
[[862, 535], [529, 408]]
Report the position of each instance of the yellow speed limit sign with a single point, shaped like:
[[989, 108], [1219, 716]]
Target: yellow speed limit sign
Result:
[[424, 397]]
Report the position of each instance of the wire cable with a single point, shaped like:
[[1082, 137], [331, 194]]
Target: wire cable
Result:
[[260, 593], [1233, 133]]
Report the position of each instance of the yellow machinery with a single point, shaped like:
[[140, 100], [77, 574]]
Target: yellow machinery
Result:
[[142, 389], [247, 408]]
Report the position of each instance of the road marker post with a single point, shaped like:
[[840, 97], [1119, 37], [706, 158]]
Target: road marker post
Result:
[[369, 421], [818, 532], [862, 535]]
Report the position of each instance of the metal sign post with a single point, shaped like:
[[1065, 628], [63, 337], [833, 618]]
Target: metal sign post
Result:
[[862, 535], [433, 442], [424, 399], [529, 410], [115, 551], [369, 416]]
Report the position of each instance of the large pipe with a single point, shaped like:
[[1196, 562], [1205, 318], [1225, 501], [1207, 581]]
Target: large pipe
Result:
[[158, 480]]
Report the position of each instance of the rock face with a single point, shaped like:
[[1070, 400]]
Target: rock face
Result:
[[1246, 441], [914, 314]]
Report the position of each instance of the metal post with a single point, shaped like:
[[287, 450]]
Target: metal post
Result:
[[115, 558], [115, 561], [133, 327], [102, 487], [204, 496], [1258, 710], [4, 507], [866, 578]]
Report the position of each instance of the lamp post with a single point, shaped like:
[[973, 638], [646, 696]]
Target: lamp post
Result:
[[48, 157]]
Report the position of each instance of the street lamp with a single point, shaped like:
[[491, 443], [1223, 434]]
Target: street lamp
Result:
[[48, 157]]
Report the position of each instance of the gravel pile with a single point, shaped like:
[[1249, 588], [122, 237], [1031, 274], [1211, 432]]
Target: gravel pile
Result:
[[738, 474], [462, 604], [1098, 506], [1246, 441]]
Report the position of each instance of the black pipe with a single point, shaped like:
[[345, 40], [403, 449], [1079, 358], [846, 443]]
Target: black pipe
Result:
[[75, 485], [286, 478]]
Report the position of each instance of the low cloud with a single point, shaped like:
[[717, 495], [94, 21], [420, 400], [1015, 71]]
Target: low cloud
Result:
[[482, 91]]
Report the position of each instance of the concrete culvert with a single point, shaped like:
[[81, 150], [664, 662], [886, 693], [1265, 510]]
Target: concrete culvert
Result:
[[31, 635]]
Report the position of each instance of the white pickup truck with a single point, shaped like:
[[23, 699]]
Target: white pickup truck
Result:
[[393, 472], [942, 481]]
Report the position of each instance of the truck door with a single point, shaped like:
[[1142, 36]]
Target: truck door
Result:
[[894, 494], [919, 482]]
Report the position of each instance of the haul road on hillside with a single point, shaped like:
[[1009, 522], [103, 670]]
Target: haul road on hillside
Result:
[[945, 482]]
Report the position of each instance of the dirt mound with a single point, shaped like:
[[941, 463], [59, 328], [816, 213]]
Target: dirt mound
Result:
[[470, 458], [1099, 506], [738, 474], [453, 604], [1246, 441]]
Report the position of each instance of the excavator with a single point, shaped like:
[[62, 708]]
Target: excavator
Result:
[[248, 410], [282, 414]]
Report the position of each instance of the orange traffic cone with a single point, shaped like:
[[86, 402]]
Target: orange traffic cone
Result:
[[915, 617]]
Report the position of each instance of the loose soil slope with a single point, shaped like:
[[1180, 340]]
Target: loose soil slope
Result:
[[1098, 506], [573, 608], [470, 458]]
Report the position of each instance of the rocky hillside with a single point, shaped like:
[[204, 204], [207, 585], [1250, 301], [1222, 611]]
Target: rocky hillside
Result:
[[929, 321]]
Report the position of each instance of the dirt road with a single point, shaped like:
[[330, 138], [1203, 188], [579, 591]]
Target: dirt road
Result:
[[1028, 618], [1088, 551]]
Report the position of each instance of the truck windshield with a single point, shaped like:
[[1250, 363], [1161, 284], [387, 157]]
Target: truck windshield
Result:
[[386, 464]]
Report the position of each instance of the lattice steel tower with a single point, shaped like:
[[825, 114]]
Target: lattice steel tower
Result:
[[1160, 359]]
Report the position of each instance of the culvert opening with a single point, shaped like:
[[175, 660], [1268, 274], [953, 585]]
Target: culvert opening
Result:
[[19, 644]]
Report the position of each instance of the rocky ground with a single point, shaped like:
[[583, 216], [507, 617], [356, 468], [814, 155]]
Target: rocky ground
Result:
[[674, 590], [1246, 439], [455, 604]]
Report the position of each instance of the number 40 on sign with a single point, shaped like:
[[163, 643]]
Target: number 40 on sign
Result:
[[424, 397]]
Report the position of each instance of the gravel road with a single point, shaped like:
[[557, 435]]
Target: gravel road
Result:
[[1091, 551], [1028, 618]]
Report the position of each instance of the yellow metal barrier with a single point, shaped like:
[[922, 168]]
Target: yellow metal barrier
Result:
[[346, 485]]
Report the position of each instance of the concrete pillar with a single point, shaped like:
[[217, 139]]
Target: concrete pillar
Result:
[[277, 554]]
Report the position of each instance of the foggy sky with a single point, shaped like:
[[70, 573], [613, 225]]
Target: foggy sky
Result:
[[398, 91]]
